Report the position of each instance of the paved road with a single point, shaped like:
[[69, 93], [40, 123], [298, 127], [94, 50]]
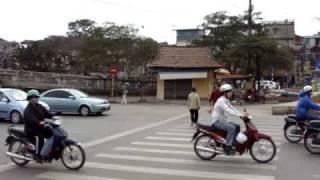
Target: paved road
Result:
[[153, 142]]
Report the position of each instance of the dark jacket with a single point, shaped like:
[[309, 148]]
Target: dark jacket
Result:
[[33, 115], [304, 105]]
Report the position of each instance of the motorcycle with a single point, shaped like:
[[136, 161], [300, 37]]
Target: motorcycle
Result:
[[22, 150], [293, 131], [210, 142], [312, 137]]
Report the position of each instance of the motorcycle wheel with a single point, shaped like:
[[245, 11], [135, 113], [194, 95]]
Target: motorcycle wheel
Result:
[[73, 157], [287, 132], [308, 143], [18, 147], [206, 142], [259, 150]]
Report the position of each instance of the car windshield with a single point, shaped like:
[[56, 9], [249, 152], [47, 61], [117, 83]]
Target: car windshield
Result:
[[79, 94], [18, 95]]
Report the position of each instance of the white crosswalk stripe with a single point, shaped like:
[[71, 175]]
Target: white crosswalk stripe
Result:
[[188, 134], [260, 130], [176, 152], [177, 145], [177, 172], [162, 144], [67, 176], [167, 151], [275, 138], [186, 161]]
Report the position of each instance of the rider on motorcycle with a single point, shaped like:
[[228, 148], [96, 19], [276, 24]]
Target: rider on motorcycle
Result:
[[305, 104], [219, 117], [34, 116]]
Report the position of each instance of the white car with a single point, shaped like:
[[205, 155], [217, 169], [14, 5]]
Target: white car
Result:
[[267, 84]]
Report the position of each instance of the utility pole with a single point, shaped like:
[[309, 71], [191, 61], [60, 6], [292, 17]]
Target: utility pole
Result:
[[250, 17], [250, 33], [250, 23]]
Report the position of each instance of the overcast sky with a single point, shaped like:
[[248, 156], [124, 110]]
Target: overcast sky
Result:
[[36, 19]]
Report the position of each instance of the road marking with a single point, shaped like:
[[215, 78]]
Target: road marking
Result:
[[316, 176], [129, 132], [7, 167], [178, 145], [175, 134], [154, 150], [267, 127], [276, 130], [59, 176], [176, 172], [178, 152], [105, 139], [187, 161], [163, 144], [190, 133], [275, 138], [169, 138]]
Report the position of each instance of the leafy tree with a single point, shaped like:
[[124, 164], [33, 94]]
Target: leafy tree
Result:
[[81, 28], [266, 55], [45, 55], [233, 45]]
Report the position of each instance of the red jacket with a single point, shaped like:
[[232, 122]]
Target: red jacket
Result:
[[215, 95]]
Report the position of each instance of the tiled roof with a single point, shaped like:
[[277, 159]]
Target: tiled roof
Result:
[[184, 57]]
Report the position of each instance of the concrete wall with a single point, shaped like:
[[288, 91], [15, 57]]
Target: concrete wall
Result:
[[160, 89], [45, 81], [202, 86]]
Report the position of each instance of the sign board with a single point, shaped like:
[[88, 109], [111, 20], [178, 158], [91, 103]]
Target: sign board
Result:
[[113, 70]]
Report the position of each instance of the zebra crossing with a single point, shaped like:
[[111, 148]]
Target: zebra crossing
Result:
[[168, 153]]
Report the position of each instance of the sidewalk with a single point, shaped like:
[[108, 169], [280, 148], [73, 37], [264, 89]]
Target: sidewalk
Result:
[[151, 100], [147, 99], [284, 108]]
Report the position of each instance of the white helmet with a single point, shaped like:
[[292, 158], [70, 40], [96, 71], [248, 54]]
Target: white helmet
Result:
[[307, 88], [241, 138], [225, 87]]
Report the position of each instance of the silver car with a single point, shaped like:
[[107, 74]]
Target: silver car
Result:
[[12, 104], [74, 101]]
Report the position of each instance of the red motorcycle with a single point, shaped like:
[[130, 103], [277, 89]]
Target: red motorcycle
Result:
[[210, 142]]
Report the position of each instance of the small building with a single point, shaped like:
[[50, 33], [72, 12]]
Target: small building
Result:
[[178, 69], [186, 36], [282, 31]]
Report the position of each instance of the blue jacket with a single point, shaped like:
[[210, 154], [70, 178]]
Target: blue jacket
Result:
[[304, 105]]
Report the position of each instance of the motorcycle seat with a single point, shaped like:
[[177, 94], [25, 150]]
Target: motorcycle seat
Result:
[[292, 116], [315, 123], [17, 131], [209, 128]]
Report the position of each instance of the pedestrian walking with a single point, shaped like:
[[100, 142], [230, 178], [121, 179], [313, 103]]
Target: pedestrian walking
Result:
[[124, 93], [194, 106], [215, 95]]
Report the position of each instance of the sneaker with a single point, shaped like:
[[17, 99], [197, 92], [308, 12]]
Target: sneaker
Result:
[[229, 151], [38, 159]]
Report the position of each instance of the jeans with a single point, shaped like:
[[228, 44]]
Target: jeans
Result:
[[312, 117], [194, 113], [230, 128]]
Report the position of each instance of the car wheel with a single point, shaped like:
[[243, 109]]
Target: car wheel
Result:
[[15, 117], [84, 110]]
